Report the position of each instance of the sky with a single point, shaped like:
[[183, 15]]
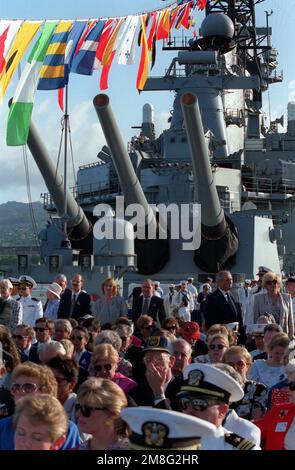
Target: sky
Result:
[[127, 103]]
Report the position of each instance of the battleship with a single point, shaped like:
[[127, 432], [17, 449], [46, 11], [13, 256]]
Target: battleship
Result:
[[216, 153]]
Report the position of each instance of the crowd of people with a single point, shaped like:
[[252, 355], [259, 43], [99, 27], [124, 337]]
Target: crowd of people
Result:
[[210, 368]]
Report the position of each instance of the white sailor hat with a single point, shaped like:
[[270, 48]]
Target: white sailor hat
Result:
[[55, 289], [172, 285], [154, 428], [156, 283], [28, 280], [256, 329], [190, 278], [262, 270], [184, 281], [234, 326], [14, 281], [207, 380]]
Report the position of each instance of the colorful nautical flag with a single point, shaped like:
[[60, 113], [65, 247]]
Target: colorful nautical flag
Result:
[[53, 69], [72, 41], [84, 60], [22, 105], [8, 30], [144, 59], [126, 53], [110, 52], [163, 25], [23, 38]]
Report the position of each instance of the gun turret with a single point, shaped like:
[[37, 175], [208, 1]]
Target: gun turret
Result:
[[78, 225], [219, 241], [152, 253]]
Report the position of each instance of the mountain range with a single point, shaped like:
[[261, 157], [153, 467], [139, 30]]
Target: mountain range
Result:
[[16, 226]]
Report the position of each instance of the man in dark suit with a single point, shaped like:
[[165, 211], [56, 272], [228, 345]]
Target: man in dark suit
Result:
[[148, 304], [159, 387], [221, 307], [74, 303]]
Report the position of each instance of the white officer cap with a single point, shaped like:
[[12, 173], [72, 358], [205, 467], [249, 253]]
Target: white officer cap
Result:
[[154, 428], [172, 285], [183, 282], [263, 270], [14, 281], [234, 326], [207, 380], [55, 289], [256, 329], [28, 280], [156, 283], [247, 281]]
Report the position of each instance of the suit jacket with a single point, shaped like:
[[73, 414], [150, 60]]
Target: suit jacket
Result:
[[218, 310], [81, 307], [142, 395], [156, 309]]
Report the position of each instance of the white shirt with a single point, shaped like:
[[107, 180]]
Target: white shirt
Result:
[[32, 309], [217, 442], [242, 427]]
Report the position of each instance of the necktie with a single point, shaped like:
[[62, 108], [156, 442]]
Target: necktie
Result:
[[145, 306], [246, 292], [73, 304], [231, 304], [170, 298]]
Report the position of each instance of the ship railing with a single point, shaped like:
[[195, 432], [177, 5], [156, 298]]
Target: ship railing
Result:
[[84, 192], [257, 184]]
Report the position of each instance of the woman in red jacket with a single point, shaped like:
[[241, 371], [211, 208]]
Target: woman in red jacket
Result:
[[278, 425]]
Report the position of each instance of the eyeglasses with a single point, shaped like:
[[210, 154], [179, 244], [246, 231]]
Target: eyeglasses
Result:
[[239, 364], [291, 386], [216, 346], [26, 388], [79, 338], [40, 330], [99, 368], [19, 337], [198, 404], [258, 336], [271, 283], [86, 410]]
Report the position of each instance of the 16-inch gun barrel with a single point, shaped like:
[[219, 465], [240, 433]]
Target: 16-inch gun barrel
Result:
[[219, 238], [77, 223]]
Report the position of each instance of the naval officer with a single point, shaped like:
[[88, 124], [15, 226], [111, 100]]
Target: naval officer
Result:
[[206, 394], [153, 428], [32, 307]]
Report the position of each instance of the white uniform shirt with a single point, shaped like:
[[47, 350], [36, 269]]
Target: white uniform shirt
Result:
[[32, 309], [242, 427], [218, 442]]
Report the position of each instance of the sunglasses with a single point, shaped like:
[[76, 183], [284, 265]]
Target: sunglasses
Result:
[[86, 410], [40, 330], [26, 388], [291, 386], [172, 327], [105, 367], [149, 327], [19, 337], [216, 346], [198, 404], [238, 364], [79, 338], [271, 283]]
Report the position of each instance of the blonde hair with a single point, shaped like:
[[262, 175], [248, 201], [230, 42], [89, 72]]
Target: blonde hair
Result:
[[270, 276], [242, 351], [45, 410], [220, 337], [114, 284], [44, 375], [104, 352], [104, 393], [280, 339], [68, 347], [217, 328]]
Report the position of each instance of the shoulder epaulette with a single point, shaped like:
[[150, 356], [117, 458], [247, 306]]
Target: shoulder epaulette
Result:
[[35, 298], [239, 442], [18, 299]]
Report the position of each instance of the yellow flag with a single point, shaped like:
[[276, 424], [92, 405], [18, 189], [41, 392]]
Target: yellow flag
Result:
[[22, 40], [143, 70]]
